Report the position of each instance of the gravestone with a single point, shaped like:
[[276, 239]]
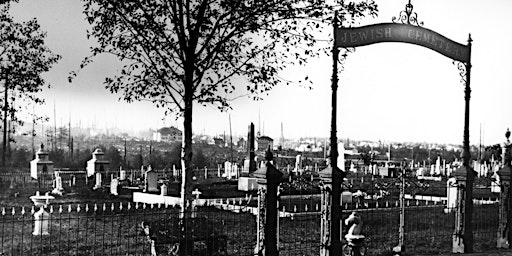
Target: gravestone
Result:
[[97, 185], [163, 190], [196, 193], [151, 181], [298, 163], [122, 174], [114, 184], [346, 197], [57, 188], [451, 194], [495, 184]]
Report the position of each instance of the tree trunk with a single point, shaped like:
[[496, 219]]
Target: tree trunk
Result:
[[6, 106], [186, 150]]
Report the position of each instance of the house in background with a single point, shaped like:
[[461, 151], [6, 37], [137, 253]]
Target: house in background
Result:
[[168, 134], [263, 143]]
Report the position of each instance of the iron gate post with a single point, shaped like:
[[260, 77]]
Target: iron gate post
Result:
[[268, 182], [325, 220], [504, 239]]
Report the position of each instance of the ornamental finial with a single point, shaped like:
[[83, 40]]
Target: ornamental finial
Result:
[[408, 16]]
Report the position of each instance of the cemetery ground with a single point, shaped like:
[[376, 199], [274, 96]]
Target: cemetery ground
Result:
[[93, 222]]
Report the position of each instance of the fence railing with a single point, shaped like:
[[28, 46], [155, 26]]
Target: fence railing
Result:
[[124, 228]]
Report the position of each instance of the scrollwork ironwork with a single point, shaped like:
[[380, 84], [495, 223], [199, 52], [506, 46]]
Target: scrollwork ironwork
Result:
[[343, 55], [408, 17], [462, 70]]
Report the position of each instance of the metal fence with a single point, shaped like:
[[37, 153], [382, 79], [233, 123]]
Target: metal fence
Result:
[[228, 226], [124, 229]]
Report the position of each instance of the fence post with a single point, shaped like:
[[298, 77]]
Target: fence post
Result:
[[505, 214], [268, 182], [460, 211], [399, 249], [325, 221]]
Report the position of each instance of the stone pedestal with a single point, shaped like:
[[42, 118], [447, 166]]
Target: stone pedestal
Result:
[[458, 242], [504, 235], [41, 222], [41, 217], [268, 182], [325, 207]]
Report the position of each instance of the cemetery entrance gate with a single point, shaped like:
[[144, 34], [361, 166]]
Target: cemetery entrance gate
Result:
[[404, 29]]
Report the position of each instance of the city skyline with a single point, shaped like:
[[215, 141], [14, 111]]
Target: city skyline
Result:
[[421, 101]]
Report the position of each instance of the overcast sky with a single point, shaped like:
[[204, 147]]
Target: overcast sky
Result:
[[388, 91]]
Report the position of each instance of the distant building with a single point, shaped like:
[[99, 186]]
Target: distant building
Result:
[[264, 142], [168, 134], [218, 141], [241, 143]]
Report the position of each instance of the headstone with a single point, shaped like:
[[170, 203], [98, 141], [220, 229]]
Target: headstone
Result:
[[346, 197], [114, 184], [196, 193], [163, 190], [122, 174], [57, 189], [97, 185], [495, 184], [451, 193], [352, 167], [298, 164], [151, 181], [235, 171], [247, 184], [227, 168], [246, 167], [438, 166]]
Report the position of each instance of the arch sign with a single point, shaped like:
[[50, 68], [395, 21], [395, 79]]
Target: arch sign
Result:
[[392, 32], [404, 29]]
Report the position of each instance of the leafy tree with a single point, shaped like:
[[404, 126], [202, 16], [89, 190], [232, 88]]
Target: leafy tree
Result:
[[23, 59], [204, 51]]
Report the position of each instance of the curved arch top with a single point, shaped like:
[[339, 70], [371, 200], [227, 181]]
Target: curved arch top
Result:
[[392, 32]]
